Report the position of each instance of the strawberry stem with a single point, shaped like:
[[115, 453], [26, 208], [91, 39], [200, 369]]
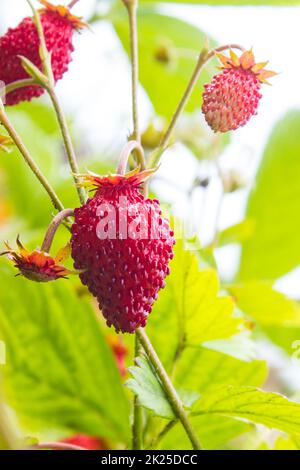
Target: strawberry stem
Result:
[[71, 4], [125, 154], [56, 446], [68, 143], [131, 6], [137, 426], [47, 68], [170, 391], [204, 57], [16, 85], [53, 227], [28, 159]]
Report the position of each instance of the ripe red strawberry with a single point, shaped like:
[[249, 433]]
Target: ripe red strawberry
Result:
[[124, 246], [233, 96], [59, 25]]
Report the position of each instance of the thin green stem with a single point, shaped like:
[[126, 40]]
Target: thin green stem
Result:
[[131, 146], [53, 227], [29, 160], [204, 57], [16, 85], [56, 446], [47, 69], [162, 434], [169, 389], [132, 6], [68, 143], [44, 54], [137, 426]]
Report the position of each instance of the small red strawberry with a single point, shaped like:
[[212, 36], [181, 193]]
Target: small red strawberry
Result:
[[123, 246], [37, 265], [59, 25], [233, 96]]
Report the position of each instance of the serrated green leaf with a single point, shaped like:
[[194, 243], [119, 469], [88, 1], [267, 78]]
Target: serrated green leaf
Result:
[[266, 305], [270, 409], [190, 308], [204, 370], [274, 204], [240, 346], [60, 371], [213, 431], [147, 386], [178, 45]]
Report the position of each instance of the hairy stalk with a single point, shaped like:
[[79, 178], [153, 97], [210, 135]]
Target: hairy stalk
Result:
[[204, 57], [16, 85], [154, 443], [131, 146], [131, 6], [68, 143], [56, 446], [49, 86], [29, 160], [137, 426], [71, 4], [169, 389], [53, 227]]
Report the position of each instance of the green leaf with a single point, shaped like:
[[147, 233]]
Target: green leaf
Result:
[[274, 204], [287, 443], [270, 409], [240, 346], [237, 233], [203, 370], [213, 431], [60, 372], [265, 304], [190, 309], [168, 52], [147, 386]]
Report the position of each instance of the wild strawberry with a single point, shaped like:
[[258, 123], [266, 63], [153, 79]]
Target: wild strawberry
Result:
[[59, 25], [123, 246], [233, 96], [37, 265]]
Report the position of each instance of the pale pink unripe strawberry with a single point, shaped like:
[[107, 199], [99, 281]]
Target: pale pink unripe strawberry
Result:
[[233, 95]]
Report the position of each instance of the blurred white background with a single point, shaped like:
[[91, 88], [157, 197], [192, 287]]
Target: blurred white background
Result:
[[97, 93]]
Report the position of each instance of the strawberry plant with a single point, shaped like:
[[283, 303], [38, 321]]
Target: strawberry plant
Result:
[[119, 332]]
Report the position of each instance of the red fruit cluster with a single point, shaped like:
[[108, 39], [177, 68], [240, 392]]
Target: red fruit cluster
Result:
[[58, 25], [126, 270], [233, 96]]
